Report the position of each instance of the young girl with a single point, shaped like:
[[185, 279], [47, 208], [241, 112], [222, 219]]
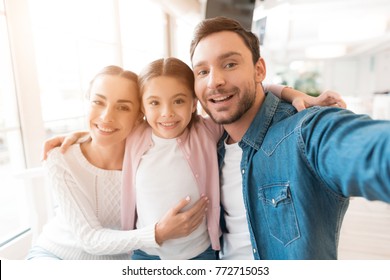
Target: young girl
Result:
[[86, 182], [172, 154]]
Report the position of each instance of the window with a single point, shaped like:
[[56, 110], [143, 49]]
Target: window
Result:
[[49, 51], [12, 217]]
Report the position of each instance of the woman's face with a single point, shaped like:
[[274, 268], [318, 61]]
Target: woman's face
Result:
[[114, 109]]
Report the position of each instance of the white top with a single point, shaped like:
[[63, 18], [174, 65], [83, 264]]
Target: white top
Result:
[[87, 222], [163, 178], [236, 242]]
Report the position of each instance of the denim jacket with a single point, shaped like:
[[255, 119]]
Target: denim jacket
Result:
[[298, 172]]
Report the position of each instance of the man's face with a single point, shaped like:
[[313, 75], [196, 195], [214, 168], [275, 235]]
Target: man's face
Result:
[[225, 77]]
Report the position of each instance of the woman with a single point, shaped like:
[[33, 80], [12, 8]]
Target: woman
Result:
[[86, 182]]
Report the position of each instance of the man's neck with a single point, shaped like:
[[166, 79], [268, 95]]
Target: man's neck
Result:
[[238, 129]]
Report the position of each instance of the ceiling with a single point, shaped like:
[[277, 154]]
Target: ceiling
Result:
[[301, 29], [304, 29]]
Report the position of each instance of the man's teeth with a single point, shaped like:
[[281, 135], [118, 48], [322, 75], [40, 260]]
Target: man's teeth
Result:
[[105, 129], [219, 99]]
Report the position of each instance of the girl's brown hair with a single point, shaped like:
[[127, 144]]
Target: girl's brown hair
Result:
[[170, 67]]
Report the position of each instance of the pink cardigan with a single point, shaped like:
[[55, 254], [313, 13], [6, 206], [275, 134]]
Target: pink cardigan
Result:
[[199, 146]]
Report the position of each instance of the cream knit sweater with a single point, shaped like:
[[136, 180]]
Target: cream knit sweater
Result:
[[87, 223]]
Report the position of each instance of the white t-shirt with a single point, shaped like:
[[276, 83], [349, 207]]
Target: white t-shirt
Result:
[[236, 242], [163, 178]]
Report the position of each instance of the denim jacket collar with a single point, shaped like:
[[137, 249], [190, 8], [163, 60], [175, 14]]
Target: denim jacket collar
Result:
[[255, 134]]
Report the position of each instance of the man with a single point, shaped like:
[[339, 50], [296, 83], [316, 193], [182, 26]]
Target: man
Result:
[[286, 176]]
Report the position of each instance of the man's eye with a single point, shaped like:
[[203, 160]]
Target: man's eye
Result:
[[202, 72], [230, 65]]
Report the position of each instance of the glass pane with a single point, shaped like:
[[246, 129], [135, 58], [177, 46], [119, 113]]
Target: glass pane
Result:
[[13, 212], [8, 111], [183, 34], [146, 41], [13, 218], [72, 42]]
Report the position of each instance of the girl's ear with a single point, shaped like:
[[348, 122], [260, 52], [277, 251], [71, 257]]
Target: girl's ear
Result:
[[195, 105], [142, 109]]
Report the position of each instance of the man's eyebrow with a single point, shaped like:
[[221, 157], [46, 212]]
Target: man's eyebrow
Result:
[[228, 54], [220, 57]]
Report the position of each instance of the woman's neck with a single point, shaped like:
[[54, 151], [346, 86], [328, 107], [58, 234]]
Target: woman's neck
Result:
[[104, 157]]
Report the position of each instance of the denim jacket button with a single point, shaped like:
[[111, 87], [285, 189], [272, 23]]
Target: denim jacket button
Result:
[[243, 171], [254, 250]]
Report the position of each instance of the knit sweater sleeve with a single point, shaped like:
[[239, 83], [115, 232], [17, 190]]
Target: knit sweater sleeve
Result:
[[76, 206]]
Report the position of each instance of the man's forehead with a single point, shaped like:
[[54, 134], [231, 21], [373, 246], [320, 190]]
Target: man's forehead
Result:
[[219, 45]]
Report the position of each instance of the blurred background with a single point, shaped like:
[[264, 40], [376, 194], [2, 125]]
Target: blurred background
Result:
[[50, 49]]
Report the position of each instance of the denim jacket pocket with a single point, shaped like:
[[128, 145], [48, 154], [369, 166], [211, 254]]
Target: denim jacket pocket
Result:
[[280, 213]]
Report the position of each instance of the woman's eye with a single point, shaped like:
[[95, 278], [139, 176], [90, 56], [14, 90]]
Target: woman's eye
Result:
[[153, 103], [97, 102]]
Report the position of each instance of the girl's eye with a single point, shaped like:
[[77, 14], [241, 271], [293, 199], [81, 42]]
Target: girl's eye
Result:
[[123, 108], [153, 103], [179, 101]]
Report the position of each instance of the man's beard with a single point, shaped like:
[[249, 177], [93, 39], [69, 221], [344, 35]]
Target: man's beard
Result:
[[244, 104]]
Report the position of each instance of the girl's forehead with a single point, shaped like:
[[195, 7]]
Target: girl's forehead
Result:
[[163, 84]]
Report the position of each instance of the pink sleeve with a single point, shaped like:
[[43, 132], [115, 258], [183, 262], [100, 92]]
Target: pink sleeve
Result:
[[275, 89]]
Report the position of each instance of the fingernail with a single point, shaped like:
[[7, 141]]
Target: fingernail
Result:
[[188, 198]]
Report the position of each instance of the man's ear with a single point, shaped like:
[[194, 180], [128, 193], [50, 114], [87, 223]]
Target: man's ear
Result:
[[260, 70]]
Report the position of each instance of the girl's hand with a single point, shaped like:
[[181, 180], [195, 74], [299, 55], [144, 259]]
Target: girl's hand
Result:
[[64, 141], [177, 224], [327, 98]]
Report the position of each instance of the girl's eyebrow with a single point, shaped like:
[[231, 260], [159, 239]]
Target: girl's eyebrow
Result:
[[152, 97], [180, 94], [158, 97], [124, 101]]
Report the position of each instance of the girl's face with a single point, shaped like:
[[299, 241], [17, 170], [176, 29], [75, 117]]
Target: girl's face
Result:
[[168, 105], [114, 109]]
